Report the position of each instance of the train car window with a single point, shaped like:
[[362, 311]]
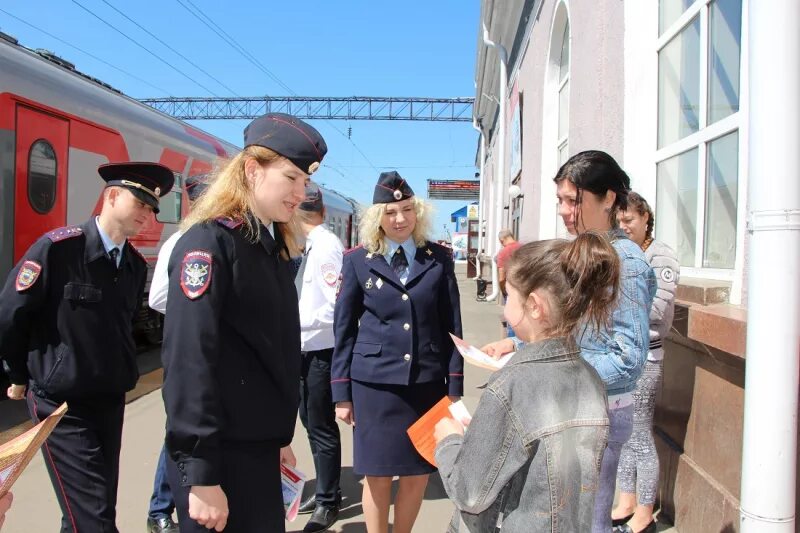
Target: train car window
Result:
[[42, 176], [171, 203]]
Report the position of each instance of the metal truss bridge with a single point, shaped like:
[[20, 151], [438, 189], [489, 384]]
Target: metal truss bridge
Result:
[[317, 107]]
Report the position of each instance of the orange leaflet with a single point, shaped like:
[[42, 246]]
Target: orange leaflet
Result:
[[421, 432]]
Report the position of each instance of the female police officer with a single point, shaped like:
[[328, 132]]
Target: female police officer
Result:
[[232, 335], [393, 358]]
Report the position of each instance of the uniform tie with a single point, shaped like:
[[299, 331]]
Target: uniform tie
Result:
[[114, 255], [399, 262]]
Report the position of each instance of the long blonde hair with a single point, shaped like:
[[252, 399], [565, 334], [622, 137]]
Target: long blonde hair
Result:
[[229, 195], [371, 233]]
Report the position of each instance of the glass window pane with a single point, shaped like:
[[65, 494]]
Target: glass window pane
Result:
[[679, 85], [669, 11], [725, 34], [676, 204], [169, 207], [42, 176], [563, 111], [563, 63], [722, 191], [563, 153]]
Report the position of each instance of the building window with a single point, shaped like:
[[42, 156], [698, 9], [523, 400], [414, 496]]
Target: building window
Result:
[[170, 205], [42, 176], [563, 99], [697, 161]]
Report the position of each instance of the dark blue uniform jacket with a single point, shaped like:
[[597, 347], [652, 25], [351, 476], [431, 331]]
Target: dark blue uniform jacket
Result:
[[388, 333], [68, 328], [231, 348]]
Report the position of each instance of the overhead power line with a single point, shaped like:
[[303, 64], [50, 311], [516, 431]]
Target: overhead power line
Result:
[[151, 34], [106, 63], [137, 43]]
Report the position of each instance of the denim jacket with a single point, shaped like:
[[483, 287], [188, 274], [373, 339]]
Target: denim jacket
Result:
[[530, 459], [619, 352]]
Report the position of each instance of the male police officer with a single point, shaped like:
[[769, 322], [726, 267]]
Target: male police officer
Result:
[[316, 287], [66, 314]]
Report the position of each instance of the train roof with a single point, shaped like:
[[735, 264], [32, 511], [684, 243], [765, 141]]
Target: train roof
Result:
[[58, 78]]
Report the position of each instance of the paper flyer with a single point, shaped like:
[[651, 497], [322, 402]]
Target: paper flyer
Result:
[[421, 432], [17, 453], [475, 357], [292, 482]]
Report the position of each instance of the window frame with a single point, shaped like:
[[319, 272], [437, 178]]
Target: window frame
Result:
[[54, 201], [706, 134]]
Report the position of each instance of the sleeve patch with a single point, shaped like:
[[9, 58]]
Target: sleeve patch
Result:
[[329, 274], [196, 273], [27, 275], [668, 275]]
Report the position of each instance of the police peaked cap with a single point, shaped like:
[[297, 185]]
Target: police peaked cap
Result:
[[147, 181], [195, 186], [290, 137], [313, 201], [391, 187]]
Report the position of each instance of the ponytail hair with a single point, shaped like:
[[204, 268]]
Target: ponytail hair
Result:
[[581, 278]]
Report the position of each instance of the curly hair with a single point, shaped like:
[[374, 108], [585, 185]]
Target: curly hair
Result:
[[371, 233], [637, 202]]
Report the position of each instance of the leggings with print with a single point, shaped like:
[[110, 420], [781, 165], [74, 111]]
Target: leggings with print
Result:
[[638, 464]]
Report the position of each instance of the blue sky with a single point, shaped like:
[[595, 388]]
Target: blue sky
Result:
[[316, 48]]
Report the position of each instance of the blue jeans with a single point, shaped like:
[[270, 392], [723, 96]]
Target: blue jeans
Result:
[[620, 429], [161, 502]]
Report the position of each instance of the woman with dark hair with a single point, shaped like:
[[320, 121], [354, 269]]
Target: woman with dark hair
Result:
[[591, 189], [638, 465]]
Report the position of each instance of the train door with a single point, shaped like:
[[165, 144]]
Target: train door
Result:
[[40, 179]]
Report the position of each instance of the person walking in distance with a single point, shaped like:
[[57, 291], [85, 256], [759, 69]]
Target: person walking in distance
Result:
[[316, 289]]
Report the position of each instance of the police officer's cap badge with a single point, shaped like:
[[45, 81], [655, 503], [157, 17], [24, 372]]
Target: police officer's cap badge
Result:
[[27, 275], [196, 273]]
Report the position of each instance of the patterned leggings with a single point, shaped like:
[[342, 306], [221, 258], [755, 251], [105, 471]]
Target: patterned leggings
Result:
[[638, 464]]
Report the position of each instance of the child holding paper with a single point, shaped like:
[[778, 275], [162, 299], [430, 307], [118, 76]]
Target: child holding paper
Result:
[[531, 458]]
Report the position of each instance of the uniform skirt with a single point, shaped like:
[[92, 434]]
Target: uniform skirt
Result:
[[383, 413]]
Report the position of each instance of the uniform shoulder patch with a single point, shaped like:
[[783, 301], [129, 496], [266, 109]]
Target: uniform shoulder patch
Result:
[[196, 270], [353, 249], [67, 232], [230, 223], [329, 274], [27, 275]]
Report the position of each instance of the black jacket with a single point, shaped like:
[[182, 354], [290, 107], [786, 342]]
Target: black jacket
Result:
[[231, 348], [68, 327]]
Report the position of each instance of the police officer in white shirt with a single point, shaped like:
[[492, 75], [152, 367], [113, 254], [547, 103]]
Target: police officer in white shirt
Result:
[[162, 504], [316, 288]]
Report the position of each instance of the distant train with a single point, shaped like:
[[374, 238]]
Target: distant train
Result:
[[57, 125]]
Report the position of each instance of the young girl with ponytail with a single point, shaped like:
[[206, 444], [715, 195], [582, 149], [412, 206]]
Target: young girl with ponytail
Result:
[[531, 458]]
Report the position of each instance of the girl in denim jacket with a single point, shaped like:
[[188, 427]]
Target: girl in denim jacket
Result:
[[531, 458], [591, 189]]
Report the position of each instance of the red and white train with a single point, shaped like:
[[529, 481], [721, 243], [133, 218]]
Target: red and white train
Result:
[[57, 125]]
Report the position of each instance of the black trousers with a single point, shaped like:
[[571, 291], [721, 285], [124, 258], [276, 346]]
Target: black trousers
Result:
[[251, 480], [82, 458], [317, 413]]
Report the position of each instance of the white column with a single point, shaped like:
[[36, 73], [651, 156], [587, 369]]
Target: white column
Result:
[[769, 452]]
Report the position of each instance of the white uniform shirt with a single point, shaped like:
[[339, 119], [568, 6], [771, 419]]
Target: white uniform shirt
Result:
[[160, 284], [318, 296]]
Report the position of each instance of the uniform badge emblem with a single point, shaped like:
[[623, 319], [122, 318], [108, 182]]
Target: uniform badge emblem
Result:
[[313, 167], [428, 251], [368, 284], [397, 194], [668, 275], [27, 275], [379, 283], [329, 274], [196, 273]]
